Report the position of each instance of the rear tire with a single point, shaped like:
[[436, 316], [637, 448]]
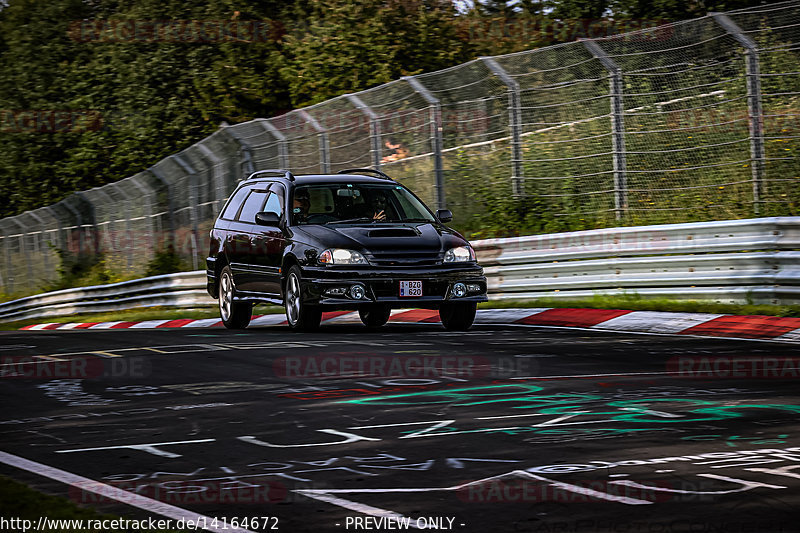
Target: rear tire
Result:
[[235, 315], [374, 315], [299, 315], [458, 316]]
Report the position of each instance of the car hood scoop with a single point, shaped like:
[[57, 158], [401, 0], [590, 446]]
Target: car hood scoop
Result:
[[392, 232]]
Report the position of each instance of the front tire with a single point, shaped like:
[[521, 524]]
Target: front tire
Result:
[[375, 315], [235, 315], [299, 315], [458, 316]]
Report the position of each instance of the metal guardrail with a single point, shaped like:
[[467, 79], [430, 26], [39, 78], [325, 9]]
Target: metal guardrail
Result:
[[738, 261], [184, 289]]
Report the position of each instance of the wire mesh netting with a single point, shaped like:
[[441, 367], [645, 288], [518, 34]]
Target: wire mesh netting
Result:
[[692, 121]]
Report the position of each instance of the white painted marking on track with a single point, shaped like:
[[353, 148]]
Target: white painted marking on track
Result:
[[147, 324], [114, 493], [328, 495], [655, 321], [503, 316], [105, 325], [792, 336], [149, 448], [649, 333], [269, 320], [39, 326], [203, 323], [349, 318], [71, 325]]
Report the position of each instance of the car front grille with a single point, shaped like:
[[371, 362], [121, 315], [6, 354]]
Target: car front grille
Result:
[[412, 259]]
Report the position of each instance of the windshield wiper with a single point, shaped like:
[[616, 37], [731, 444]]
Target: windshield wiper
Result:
[[350, 220], [416, 220]]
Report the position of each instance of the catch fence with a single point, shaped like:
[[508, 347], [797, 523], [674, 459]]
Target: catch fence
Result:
[[692, 121]]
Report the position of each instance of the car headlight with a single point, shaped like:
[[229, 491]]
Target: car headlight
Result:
[[461, 253], [340, 256]]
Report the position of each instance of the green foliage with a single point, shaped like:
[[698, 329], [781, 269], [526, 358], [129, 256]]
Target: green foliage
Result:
[[350, 45], [147, 100], [165, 261], [82, 270]]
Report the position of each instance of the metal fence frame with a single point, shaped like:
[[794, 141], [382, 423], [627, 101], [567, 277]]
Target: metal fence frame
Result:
[[558, 125]]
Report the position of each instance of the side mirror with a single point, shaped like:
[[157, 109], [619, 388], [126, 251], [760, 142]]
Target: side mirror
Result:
[[267, 218], [444, 215]]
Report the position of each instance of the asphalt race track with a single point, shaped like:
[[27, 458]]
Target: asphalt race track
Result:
[[498, 429]]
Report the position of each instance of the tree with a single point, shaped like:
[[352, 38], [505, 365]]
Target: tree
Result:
[[350, 45]]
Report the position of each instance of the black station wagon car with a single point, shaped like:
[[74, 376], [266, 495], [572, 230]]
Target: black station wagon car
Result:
[[354, 240]]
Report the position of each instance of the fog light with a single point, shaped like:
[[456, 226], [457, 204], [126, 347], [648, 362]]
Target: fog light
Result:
[[459, 290], [336, 291], [473, 287], [357, 292]]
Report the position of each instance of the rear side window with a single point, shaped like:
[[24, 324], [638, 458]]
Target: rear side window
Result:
[[233, 206], [253, 204]]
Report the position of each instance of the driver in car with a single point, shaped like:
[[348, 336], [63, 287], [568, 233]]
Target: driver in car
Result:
[[301, 205], [379, 202]]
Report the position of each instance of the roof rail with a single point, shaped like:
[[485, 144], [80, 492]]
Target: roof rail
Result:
[[274, 172], [378, 173]]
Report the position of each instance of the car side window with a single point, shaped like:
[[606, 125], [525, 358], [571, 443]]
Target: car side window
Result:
[[253, 204], [235, 203], [274, 204]]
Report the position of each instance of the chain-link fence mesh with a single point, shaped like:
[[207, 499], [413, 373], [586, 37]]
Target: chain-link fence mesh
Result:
[[686, 122]]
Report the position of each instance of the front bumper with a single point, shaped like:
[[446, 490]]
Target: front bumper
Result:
[[382, 285]]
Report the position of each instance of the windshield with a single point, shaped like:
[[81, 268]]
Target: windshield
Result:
[[356, 203]]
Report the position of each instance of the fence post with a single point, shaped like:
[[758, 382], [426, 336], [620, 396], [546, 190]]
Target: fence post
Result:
[[40, 240], [515, 121], [110, 226], [374, 128], [617, 127], [169, 238], [435, 109], [24, 250], [8, 280], [192, 204], [322, 133], [283, 147], [129, 236], [220, 191], [755, 113], [247, 153]]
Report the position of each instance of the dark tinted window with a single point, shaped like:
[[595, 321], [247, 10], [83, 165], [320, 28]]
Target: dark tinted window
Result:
[[233, 206], [338, 203], [253, 204]]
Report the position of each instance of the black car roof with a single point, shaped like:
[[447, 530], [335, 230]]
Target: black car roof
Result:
[[309, 179], [336, 178]]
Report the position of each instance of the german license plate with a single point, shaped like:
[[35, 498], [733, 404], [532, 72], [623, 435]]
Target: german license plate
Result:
[[410, 288]]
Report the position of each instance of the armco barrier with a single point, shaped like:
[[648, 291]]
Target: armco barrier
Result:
[[735, 261], [738, 261], [185, 289]]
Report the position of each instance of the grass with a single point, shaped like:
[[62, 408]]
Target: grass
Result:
[[20, 501], [634, 302]]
